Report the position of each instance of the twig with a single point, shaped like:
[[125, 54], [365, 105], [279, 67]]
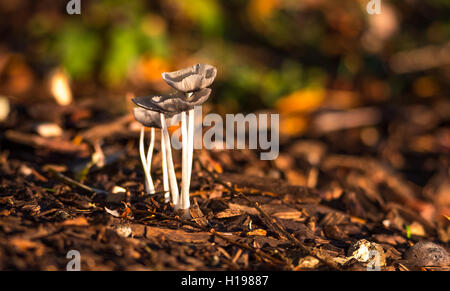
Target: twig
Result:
[[72, 182]]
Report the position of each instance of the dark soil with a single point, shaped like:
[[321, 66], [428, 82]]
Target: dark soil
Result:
[[301, 211]]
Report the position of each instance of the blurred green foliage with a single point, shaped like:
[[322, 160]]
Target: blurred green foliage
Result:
[[264, 49], [78, 49]]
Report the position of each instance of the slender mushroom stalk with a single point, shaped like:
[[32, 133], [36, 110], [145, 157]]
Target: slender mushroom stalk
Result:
[[191, 127], [164, 169], [150, 150], [189, 145], [149, 186], [184, 203], [148, 119], [193, 82], [171, 170]]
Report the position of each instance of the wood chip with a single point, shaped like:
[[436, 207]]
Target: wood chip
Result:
[[230, 212], [258, 232], [79, 221]]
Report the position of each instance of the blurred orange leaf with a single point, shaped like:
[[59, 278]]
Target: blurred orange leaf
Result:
[[127, 212], [152, 68], [261, 9], [305, 100], [23, 244], [79, 221], [425, 87], [293, 125]]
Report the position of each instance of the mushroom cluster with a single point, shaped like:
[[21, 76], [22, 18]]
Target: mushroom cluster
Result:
[[153, 111]]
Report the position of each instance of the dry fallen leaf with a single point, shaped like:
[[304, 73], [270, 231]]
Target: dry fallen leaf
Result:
[[127, 212], [79, 221]]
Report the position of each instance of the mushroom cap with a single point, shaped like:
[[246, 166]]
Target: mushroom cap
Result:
[[192, 78], [147, 117], [173, 104]]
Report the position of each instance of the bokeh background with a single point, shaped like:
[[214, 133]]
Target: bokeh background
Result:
[[364, 83], [364, 126]]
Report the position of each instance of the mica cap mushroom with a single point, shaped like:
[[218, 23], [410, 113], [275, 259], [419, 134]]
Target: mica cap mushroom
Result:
[[172, 105], [192, 78], [146, 117]]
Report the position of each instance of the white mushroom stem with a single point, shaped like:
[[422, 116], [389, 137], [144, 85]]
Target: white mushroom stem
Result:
[[164, 169], [149, 158], [191, 128], [184, 203], [150, 149], [149, 187], [171, 170]]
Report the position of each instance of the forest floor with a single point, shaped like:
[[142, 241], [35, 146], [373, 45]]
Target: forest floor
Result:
[[302, 211]]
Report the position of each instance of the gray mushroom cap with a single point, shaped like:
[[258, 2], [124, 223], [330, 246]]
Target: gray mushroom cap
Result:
[[147, 117], [172, 105], [192, 78]]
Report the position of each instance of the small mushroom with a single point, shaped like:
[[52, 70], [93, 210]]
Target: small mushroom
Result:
[[156, 120], [146, 117], [193, 82], [143, 117], [171, 105], [192, 78]]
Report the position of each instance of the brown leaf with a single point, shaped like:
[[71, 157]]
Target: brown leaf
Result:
[[79, 221], [127, 212]]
